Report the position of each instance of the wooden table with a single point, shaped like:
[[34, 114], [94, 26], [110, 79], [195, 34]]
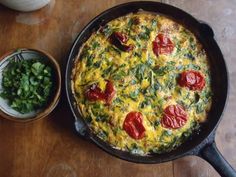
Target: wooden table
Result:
[[49, 147]]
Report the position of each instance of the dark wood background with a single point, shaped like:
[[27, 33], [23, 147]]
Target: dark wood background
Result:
[[49, 147]]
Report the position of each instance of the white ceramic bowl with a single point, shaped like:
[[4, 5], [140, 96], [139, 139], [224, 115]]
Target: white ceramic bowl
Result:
[[25, 54], [25, 5]]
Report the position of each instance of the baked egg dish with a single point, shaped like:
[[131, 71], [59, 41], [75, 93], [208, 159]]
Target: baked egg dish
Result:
[[142, 83]]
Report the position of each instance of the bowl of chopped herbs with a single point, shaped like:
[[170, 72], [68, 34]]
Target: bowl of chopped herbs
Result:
[[30, 84]]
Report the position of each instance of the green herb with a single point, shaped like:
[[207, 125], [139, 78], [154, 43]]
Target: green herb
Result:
[[108, 71], [103, 134], [130, 23], [150, 61], [140, 71], [199, 108], [119, 75], [156, 123], [206, 95], [170, 82], [189, 56], [133, 82], [102, 118], [154, 23], [145, 103], [106, 30], [165, 133], [134, 94], [85, 52], [184, 104], [89, 60], [135, 149], [95, 45], [97, 64], [113, 49], [192, 66], [145, 35], [118, 100], [27, 85], [165, 69]]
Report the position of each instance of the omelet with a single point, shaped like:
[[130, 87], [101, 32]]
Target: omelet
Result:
[[142, 83]]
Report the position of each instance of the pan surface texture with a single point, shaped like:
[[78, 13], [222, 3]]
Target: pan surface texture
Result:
[[201, 143]]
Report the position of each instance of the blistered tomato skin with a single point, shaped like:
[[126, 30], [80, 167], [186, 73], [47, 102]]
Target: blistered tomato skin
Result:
[[119, 40], [133, 125], [193, 80], [162, 45], [94, 93], [121, 37], [174, 117], [109, 92]]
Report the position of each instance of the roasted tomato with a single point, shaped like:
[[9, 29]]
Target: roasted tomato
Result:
[[109, 92], [94, 93], [133, 125], [121, 37], [119, 40], [174, 117], [162, 45], [192, 79]]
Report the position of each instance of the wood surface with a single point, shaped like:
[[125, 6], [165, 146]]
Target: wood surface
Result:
[[50, 147]]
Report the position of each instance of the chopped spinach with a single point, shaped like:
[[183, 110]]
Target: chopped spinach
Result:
[[139, 74], [145, 35], [156, 123], [103, 134], [118, 100], [199, 108], [27, 84], [107, 71], [189, 56], [102, 118], [192, 66], [133, 95], [106, 30], [120, 74], [150, 61], [95, 45], [90, 59], [97, 64], [161, 71], [135, 149], [154, 23], [145, 103]]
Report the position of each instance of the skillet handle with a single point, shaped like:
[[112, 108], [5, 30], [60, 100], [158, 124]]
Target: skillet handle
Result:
[[211, 154], [81, 129], [206, 30]]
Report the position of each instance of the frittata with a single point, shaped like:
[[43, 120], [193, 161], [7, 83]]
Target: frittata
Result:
[[142, 83]]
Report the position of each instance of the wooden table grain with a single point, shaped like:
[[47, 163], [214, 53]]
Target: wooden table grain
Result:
[[49, 147]]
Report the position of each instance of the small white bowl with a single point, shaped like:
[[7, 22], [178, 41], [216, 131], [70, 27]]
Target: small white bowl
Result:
[[25, 5], [5, 110]]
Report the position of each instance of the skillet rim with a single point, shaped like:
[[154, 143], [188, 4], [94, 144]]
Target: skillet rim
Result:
[[157, 158]]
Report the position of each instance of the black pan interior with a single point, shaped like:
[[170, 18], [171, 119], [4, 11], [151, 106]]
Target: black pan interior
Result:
[[218, 70]]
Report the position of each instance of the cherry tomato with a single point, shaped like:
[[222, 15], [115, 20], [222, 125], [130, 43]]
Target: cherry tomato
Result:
[[120, 36], [133, 125], [162, 45], [119, 40], [174, 117], [109, 92], [192, 79], [94, 93]]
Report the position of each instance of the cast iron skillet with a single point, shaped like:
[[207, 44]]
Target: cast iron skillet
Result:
[[201, 144]]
